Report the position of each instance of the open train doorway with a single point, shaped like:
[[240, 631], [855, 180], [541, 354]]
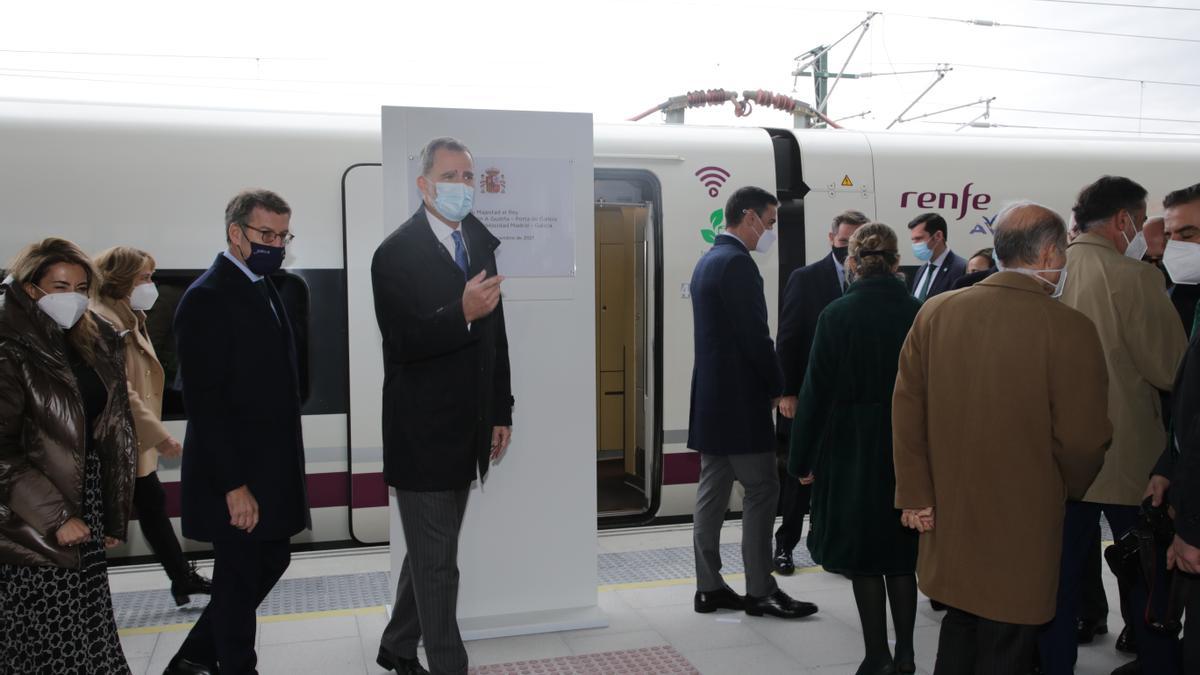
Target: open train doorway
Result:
[[628, 447], [621, 345]]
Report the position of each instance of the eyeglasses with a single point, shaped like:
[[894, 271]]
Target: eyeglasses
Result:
[[271, 236]]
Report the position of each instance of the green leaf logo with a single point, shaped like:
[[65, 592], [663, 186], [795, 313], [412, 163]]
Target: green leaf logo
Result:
[[717, 219]]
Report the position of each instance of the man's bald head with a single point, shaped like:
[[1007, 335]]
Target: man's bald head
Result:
[[1026, 234]]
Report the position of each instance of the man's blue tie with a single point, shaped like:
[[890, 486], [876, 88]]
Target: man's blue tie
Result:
[[460, 252]]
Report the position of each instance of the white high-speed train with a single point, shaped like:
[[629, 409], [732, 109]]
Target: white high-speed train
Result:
[[159, 178]]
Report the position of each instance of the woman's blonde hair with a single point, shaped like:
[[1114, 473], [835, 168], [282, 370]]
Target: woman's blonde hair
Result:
[[32, 263], [119, 268], [875, 250]]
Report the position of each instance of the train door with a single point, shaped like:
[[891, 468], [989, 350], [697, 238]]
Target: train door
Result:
[[628, 447], [363, 229]]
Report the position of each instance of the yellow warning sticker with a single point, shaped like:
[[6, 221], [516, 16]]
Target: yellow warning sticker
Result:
[[846, 182]]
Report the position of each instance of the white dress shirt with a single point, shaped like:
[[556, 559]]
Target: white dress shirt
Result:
[[445, 234], [931, 268]]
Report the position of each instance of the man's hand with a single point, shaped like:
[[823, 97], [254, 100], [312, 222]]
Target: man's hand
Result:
[[73, 532], [111, 542], [787, 406], [807, 480], [501, 437], [1157, 489], [920, 520], [243, 508], [169, 448], [481, 296], [1184, 556]]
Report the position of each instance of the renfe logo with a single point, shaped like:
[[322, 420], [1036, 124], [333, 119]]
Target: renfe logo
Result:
[[948, 200]]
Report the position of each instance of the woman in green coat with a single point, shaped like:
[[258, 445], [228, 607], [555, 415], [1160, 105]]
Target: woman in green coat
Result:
[[842, 443]]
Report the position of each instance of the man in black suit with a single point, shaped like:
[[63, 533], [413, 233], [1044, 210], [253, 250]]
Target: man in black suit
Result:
[[243, 465], [736, 383], [942, 267], [809, 290], [1177, 475], [447, 398]]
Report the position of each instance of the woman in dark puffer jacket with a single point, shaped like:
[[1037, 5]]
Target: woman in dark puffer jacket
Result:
[[67, 453]]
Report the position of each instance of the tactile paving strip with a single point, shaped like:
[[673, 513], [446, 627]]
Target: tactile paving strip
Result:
[[142, 609], [657, 660], [673, 563]]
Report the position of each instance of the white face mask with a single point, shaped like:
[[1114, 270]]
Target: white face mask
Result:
[[65, 308], [1182, 260], [1135, 248], [143, 296], [765, 241], [1037, 274]]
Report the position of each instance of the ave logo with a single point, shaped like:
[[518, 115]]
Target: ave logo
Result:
[[985, 227]]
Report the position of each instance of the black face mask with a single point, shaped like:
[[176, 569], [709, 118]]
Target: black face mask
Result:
[[840, 252]]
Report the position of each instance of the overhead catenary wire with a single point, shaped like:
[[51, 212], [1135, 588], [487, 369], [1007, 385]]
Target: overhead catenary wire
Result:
[[212, 57], [1087, 76], [988, 23], [149, 83], [1046, 128], [35, 72], [1099, 115], [1122, 4]]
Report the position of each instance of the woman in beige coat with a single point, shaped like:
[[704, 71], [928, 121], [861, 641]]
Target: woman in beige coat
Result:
[[126, 293]]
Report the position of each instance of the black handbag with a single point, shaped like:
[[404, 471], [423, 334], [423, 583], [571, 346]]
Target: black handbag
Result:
[[1138, 551]]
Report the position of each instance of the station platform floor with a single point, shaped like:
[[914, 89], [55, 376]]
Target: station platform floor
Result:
[[327, 613]]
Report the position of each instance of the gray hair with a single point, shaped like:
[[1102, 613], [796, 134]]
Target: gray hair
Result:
[[1024, 229], [849, 217], [238, 210], [443, 143]]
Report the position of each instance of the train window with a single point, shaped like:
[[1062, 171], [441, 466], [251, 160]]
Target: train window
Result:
[[172, 284]]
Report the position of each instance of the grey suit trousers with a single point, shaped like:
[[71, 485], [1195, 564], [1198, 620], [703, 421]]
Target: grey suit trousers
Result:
[[757, 474], [427, 591]]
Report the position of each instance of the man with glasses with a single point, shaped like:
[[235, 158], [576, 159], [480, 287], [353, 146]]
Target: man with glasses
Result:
[[243, 473]]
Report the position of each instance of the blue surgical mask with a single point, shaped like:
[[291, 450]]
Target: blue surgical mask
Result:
[[454, 200], [922, 251]]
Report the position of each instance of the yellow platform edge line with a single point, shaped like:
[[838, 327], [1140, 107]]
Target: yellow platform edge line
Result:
[[365, 611]]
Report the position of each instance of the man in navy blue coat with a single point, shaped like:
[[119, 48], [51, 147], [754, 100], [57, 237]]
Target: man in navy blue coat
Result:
[[243, 463], [736, 384], [447, 396], [942, 267], [809, 291]]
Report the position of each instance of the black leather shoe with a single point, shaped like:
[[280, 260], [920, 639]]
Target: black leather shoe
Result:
[[783, 562], [906, 662], [1090, 628], [1127, 642], [779, 604], [722, 598], [399, 664], [191, 584], [865, 668], [1131, 668], [181, 666], [937, 606]]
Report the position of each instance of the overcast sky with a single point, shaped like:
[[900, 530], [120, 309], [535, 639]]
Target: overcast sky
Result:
[[614, 58]]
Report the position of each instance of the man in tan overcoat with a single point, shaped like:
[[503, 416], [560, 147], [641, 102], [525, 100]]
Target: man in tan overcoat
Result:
[[1143, 343], [1006, 359]]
